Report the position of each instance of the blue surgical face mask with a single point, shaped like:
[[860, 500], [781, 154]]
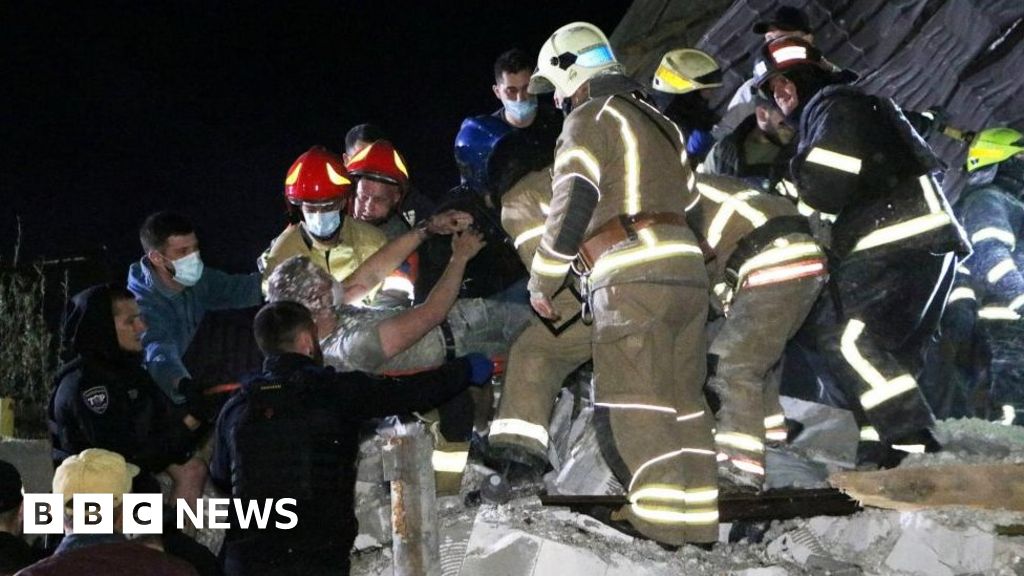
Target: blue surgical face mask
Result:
[[322, 224], [188, 269], [521, 110]]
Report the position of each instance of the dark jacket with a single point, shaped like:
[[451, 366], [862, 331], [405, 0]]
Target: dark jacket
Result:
[[104, 398], [859, 159], [728, 158], [110, 555], [293, 432], [15, 554]]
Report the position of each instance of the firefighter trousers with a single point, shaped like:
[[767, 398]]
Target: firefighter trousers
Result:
[[652, 421], [538, 364], [872, 327], [750, 343]]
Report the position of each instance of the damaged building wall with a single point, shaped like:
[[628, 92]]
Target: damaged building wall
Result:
[[963, 55]]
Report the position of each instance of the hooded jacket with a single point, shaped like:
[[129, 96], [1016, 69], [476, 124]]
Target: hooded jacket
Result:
[[104, 398]]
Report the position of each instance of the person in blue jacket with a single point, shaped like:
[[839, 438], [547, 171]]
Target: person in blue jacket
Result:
[[174, 291]]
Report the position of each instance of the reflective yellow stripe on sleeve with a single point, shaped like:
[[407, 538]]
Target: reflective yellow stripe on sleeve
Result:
[[961, 293], [549, 267], [997, 272], [937, 217], [528, 235], [997, 234], [586, 160], [517, 427], [830, 159]]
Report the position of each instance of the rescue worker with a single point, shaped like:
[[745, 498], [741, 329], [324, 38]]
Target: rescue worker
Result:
[[293, 432], [766, 273], [892, 247], [351, 251], [497, 273], [382, 181], [992, 211], [758, 151], [104, 398], [683, 82], [318, 183], [620, 184]]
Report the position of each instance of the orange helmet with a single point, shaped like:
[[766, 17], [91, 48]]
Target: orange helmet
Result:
[[379, 161], [317, 176]]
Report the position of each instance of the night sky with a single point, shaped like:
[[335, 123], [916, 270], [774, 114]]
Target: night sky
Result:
[[112, 110]]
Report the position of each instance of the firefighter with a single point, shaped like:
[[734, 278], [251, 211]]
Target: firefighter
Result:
[[766, 273], [892, 246], [382, 182], [992, 212], [683, 82], [620, 184], [318, 183]]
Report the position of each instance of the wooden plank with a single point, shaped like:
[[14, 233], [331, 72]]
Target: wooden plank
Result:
[[770, 505], [989, 486]]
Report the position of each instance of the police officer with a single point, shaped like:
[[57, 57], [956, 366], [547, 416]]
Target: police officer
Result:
[[293, 432], [893, 243], [766, 274], [620, 185], [104, 398]]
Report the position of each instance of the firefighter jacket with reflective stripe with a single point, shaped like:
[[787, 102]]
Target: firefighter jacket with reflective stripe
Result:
[[993, 217], [358, 241], [859, 159], [729, 211], [524, 208], [618, 157]]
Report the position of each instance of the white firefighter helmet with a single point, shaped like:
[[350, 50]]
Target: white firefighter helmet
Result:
[[572, 55], [685, 70]]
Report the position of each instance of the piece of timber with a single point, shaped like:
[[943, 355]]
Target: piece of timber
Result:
[[989, 486], [732, 506]]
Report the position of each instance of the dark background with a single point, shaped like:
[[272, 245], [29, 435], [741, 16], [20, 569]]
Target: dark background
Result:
[[112, 110]]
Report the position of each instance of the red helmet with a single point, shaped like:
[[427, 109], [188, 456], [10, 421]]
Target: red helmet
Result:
[[379, 161], [317, 176]]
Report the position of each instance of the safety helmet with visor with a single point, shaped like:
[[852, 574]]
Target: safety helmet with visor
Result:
[[993, 146], [686, 70], [574, 54]]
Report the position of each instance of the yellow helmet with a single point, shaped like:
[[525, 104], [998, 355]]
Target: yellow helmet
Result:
[[685, 70], [572, 55], [992, 146]]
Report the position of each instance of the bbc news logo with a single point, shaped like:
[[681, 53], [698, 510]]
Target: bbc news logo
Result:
[[144, 513]]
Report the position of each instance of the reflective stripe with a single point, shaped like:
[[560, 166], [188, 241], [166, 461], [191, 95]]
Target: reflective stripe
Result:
[[881, 389], [517, 427], [705, 496], [961, 269], [748, 466], [774, 256], [1009, 415], [787, 188], [1016, 303], [776, 435], [449, 461], [650, 407], [398, 284], [787, 53], [585, 158], [961, 293], [993, 233], [548, 267], [631, 159], [686, 417], [545, 208], [785, 273], [804, 209], [869, 434], [740, 441], [931, 194], [667, 456], [528, 235], [730, 204], [641, 255], [836, 160], [997, 313], [999, 270], [673, 517], [556, 254], [903, 230], [774, 421], [911, 448]]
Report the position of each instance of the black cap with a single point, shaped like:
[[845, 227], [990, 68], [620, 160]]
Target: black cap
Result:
[[787, 18], [10, 487]]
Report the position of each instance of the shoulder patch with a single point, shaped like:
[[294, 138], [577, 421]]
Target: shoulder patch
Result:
[[96, 399]]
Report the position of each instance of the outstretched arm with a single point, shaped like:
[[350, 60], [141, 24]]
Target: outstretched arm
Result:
[[373, 271], [400, 332]]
